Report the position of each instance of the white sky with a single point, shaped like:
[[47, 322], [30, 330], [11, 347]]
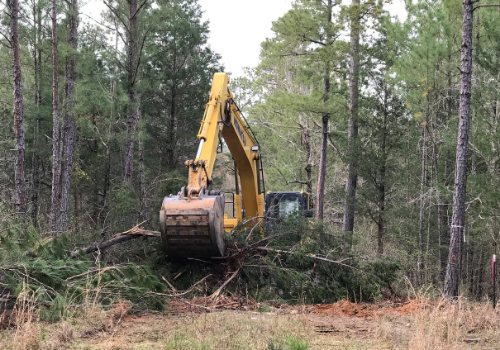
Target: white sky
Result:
[[238, 27]]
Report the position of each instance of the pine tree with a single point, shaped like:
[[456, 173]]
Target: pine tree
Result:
[[68, 130], [56, 162], [18, 109]]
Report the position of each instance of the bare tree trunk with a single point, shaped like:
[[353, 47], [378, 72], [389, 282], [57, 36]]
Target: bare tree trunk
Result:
[[106, 186], [439, 213], [56, 162], [381, 215], [306, 135], [320, 189], [452, 279], [352, 177], [128, 162], [142, 173], [428, 277], [171, 131], [423, 180], [69, 125], [18, 110], [76, 209], [37, 60], [479, 279], [36, 177], [381, 224]]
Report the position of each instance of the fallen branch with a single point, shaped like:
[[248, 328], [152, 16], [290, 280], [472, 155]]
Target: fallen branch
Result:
[[169, 284], [267, 239], [45, 287], [203, 261], [180, 294], [192, 287], [338, 262], [202, 307], [134, 232], [92, 271], [221, 288], [253, 228], [137, 230], [251, 246]]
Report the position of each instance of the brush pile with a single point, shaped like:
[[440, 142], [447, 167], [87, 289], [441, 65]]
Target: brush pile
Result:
[[290, 262]]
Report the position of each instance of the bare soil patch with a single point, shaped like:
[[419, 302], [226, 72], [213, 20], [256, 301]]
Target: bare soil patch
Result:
[[229, 323]]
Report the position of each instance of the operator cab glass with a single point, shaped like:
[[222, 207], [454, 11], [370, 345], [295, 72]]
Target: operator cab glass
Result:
[[282, 204]]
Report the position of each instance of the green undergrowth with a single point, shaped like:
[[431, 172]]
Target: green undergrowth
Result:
[[287, 278], [42, 270], [299, 278]]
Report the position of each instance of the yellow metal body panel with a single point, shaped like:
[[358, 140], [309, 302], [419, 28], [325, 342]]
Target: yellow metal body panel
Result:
[[229, 224], [239, 141], [237, 206]]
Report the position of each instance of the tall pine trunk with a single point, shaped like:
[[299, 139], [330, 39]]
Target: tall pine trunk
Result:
[[423, 181], [320, 189], [128, 162], [37, 60], [69, 125], [142, 172], [452, 279], [352, 133], [18, 110], [306, 135], [171, 130], [381, 223], [56, 163]]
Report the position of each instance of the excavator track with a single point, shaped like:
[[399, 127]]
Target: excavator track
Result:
[[193, 227]]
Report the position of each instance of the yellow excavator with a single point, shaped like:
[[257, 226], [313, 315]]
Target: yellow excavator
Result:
[[193, 222]]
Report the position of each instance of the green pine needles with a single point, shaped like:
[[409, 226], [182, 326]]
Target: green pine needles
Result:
[[43, 270]]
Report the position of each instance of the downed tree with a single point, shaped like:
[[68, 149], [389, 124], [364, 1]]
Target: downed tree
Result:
[[249, 266], [133, 233]]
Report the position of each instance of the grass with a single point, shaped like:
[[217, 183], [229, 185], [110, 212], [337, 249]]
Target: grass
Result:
[[432, 325]]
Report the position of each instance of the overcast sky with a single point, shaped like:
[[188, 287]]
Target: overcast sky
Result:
[[238, 27]]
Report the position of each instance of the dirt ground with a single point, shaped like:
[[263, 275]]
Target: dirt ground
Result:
[[227, 323]]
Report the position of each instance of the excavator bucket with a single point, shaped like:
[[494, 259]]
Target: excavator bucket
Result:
[[193, 227]]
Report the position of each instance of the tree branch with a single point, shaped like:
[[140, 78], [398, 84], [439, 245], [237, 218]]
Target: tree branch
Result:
[[117, 15], [339, 262], [485, 5], [92, 271], [313, 41], [330, 141], [218, 291], [140, 55], [138, 9]]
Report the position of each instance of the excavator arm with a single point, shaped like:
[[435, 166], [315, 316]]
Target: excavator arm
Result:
[[193, 222]]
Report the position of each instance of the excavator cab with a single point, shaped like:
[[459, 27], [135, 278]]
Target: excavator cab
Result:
[[282, 204]]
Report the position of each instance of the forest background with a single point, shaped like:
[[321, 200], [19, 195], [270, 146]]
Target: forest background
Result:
[[350, 104]]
